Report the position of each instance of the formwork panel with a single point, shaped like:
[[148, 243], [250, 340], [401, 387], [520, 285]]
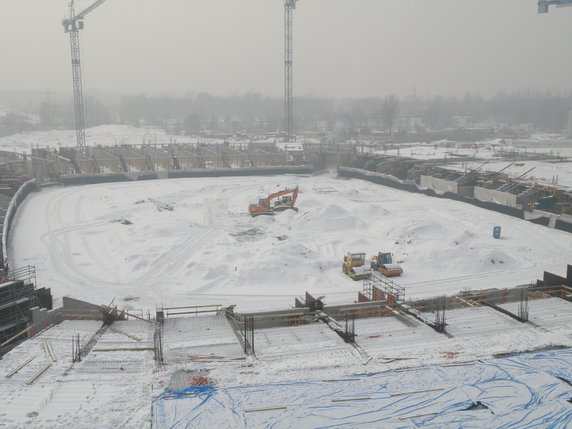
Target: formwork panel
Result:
[[199, 337], [470, 321], [306, 342], [548, 312], [388, 337]]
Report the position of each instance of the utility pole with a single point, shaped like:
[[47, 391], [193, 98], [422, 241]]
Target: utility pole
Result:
[[289, 6]]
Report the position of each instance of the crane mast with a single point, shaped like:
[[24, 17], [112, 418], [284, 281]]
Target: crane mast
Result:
[[289, 6], [72, 25], [78, 104]]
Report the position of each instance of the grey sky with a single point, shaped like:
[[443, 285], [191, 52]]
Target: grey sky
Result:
[[342, 48]]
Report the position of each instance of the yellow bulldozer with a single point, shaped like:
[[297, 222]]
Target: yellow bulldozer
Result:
[[354, 266]]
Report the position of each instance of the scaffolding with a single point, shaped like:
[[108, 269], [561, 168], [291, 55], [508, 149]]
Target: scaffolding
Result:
[[16, 300], [377, 282]]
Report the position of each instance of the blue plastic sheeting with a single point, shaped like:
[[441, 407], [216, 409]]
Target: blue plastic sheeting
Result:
[[525, 391]]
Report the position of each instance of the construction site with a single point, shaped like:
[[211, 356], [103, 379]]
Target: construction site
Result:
[[195, 353], [282, 281], [174, 365]]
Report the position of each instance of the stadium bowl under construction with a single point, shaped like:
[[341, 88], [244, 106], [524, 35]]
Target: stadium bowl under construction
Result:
[[379, 359]]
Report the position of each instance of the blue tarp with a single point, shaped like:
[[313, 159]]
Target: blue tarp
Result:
[[525, 391]]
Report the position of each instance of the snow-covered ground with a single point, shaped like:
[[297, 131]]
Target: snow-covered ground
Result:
[[103, 135], [548, 173], [488, 149], [191, 241]]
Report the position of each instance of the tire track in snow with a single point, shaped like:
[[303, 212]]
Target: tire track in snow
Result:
[[57, 241]]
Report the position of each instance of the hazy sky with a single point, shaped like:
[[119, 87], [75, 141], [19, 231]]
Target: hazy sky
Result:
[[342, 48]]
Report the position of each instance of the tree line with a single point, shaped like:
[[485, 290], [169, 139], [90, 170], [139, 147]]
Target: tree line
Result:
[[256, 114]]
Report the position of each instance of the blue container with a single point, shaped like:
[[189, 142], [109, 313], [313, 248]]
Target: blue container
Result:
[[496, 232]]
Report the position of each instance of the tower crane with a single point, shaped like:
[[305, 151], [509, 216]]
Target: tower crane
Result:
[[289, 6], [544, 4], [72, 25]]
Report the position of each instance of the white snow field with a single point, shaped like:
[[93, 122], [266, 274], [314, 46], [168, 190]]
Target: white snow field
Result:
[[103, 135], [192, 242]]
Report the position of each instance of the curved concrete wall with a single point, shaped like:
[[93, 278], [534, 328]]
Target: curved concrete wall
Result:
[[561, 222], [87, 179], [410, 186], [17, 200]]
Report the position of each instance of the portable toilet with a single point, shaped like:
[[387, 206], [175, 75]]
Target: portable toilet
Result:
[[496, 232]]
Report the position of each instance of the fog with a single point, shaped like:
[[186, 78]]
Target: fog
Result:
[[342, 48]]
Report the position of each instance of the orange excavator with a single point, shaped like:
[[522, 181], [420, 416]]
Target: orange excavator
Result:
[[276, 202]]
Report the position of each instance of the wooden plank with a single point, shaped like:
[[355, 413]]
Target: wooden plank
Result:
[[416, 416], [192, 306], [38, 374], [129, 314], [458, 364], [19, 367], [19, 334], [48, 350], [363, 307], [124, 333], [181, 395], [411, 369], [466, 302], [257, 410], [340, 379], [416, 391], [77, 316], [271, 316], [125, 349], [191, 312], [350, 399]]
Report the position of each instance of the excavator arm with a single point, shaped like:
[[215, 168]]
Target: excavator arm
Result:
[[283, 193], [266, 207]]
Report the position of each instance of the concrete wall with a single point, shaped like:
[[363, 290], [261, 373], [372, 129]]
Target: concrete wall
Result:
[[87, 179], [17, 200], [564, 223], [466, 191], [71, 309], [440, 186], [491, 196], [410, 186]]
